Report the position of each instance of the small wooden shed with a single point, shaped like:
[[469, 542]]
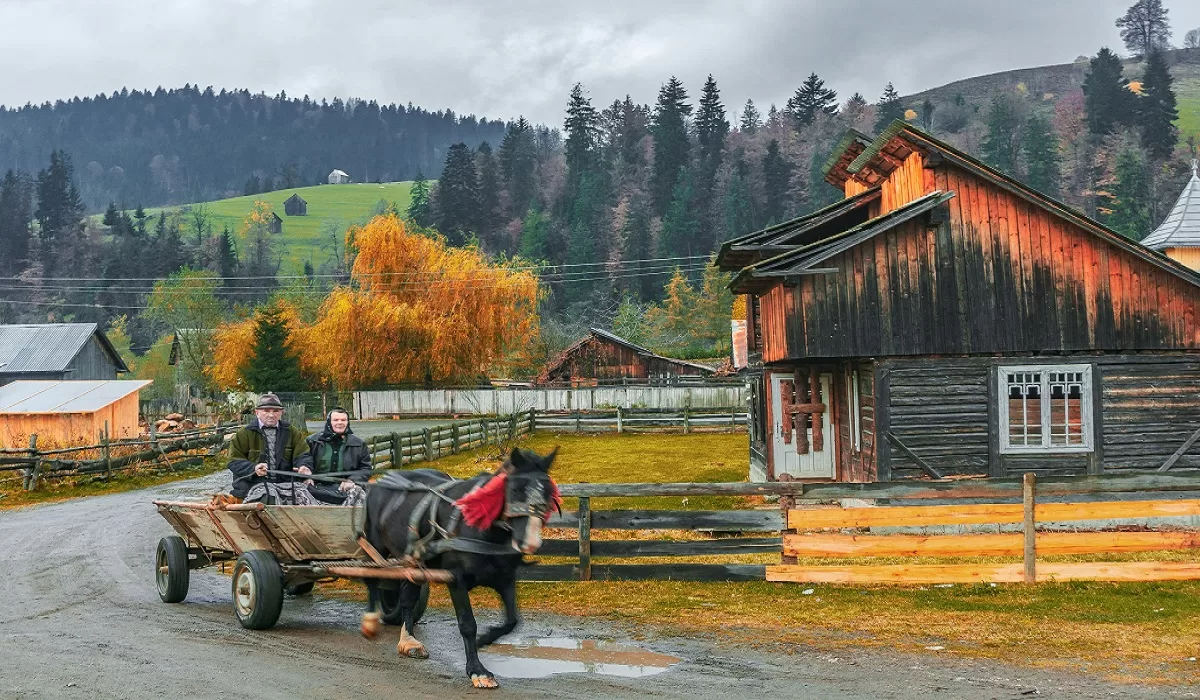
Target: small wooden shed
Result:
[[604, 357], [295, 206], [338, 177], [275, 224], [68, 412]]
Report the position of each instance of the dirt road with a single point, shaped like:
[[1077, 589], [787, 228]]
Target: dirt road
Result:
[[80, 618]]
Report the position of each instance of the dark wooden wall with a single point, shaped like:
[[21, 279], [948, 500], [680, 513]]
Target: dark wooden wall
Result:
[[852, 464], [1001, 276], [945, 410]]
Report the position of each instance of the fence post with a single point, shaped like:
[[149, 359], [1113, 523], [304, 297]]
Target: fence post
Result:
[[687, 419], [577, 417], [397, 456], [512, 427], [428, 436], [585, 538], [733, 418], [619, 425], [1027, 483], [31, 474], [454, 438], [532, 419], [107, 454]]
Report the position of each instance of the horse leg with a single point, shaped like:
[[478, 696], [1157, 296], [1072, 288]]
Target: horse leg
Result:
[[409, 645], [480, 676], [508, 596], [371, 619]]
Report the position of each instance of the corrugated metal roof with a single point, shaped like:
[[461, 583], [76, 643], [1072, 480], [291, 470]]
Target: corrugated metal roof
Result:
[[65, 396], [47, 347], [1181, 228]]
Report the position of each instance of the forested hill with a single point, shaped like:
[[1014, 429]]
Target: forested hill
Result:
[[188, 144]]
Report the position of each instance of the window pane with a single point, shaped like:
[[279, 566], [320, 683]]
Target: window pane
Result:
[[1024, 409], [1066, 408]]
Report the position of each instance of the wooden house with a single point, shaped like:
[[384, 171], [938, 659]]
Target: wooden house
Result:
[[68, 412], [338, 177], [275, 224], [602, 357], [944, 319], [57, 351], [295, 206], [1178, 237]]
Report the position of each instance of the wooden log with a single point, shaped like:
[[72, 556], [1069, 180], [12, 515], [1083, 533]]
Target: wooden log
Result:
[[410, 574], [1029, 536], [665, 548], [918, 516], [647, 572], [985, 573], [714, 520], [837, 546]]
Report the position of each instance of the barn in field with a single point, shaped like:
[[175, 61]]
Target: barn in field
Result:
[[338, 177], [275, 224], [944, 319], [1178, 237], [57, 351], [68, 412], [295, 206], [604, 358]]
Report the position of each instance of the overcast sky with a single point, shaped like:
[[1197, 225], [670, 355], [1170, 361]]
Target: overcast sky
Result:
[[502, 59]]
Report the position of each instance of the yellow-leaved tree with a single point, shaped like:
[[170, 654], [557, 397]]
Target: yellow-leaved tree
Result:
[[418, 310]]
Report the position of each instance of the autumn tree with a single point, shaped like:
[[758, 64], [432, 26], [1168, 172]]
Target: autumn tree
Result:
[[418, 310], [186, 304]]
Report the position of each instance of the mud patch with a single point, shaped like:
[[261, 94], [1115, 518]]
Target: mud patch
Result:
[[538, 657]]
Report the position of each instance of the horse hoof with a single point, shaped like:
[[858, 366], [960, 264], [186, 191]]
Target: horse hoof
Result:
[[370, 625], [412, 649], [488, 681]]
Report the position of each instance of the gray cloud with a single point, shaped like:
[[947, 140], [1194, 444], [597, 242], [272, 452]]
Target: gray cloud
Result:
[[504, 59]]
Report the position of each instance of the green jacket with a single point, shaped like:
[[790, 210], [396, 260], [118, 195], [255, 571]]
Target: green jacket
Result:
[[248, 448]]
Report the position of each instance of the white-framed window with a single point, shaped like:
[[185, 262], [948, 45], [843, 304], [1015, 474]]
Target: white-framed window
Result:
[[1045, 408], [854, 403]]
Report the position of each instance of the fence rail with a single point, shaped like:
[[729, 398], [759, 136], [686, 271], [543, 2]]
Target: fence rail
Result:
[[395, 450], [631, 420]]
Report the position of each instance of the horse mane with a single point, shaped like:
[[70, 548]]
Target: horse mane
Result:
[[484, 504]]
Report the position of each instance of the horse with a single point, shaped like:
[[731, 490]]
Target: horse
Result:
[[479, 529]]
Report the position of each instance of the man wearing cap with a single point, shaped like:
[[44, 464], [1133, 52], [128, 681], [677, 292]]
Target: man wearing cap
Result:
[[267, 443]]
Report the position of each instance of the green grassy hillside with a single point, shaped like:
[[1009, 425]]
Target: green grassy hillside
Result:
[[329, 206]]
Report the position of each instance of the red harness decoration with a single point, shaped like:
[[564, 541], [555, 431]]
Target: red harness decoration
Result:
[[482, 506]]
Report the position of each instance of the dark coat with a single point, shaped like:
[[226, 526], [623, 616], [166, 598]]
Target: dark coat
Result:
[[248, 448], [331, 452]]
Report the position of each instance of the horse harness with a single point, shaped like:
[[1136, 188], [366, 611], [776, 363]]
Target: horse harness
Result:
[[440, 539]]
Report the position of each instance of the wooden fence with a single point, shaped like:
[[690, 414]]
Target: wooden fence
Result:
[[107, 456], [835, 533], [628, 420], [395, 450]]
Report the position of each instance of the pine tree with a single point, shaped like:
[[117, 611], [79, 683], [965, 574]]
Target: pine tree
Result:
[[1000, 145], [139, 216], [253, 185], [927, 110], [1145, 28], [738, 207], [535, 236], [1156, 107], [889, 109], [1042, 162], [637, 248], [275, 366], [111, 215], [458, 195], [16, 212], [518, 162], [751, 118], [584, 244], [711, 131], [820, 192], [1131, 197], [489, 198], [777, 176], [59, 208], [855, 108], [671, 147], [811, 98], [420, 210], [227, 260], [1107, 98], [582, 127], [681, 222]]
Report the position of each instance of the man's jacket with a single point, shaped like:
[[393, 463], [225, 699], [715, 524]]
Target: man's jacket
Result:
[[248, 448]]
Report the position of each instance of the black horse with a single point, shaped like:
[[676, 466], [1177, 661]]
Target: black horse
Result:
[[478, 529]]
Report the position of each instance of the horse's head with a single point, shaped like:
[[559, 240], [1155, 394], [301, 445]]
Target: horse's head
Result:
[[519, 497], [529, 497]]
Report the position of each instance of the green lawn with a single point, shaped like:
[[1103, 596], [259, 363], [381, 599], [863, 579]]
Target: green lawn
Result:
[[342, 205], [1187, 95]]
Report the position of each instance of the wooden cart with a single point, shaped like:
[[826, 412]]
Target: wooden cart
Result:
[[278, 549]]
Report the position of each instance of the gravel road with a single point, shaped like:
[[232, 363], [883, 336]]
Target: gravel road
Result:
[[80, 618]]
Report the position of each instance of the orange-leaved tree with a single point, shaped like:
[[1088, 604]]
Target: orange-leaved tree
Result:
[[418, 310]]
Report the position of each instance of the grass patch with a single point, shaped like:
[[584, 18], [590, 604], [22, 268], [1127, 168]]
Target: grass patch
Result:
[[53, 490]]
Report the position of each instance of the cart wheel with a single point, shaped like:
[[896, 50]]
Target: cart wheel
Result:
[[300, 589], [389, 603], [171, 569], [257, 590]]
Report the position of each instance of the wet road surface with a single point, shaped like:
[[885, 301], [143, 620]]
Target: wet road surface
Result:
[[80, 618]]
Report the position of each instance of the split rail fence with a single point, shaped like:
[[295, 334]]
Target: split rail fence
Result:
[[395, 450], [108, 456], [631, 420], [837, 534]]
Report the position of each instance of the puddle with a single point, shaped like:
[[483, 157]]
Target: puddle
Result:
[[543, 656]]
